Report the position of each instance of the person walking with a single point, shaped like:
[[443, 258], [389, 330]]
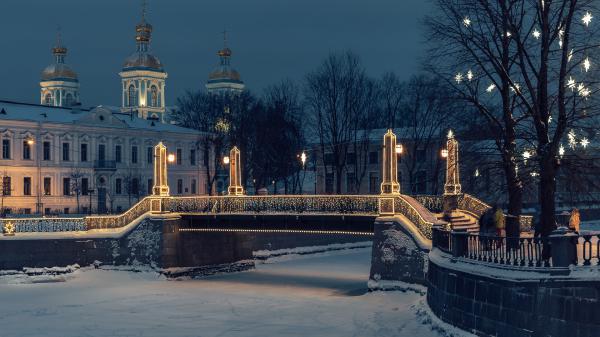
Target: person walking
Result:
[[499, 221], [574, 220]]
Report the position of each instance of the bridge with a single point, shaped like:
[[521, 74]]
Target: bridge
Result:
[[175, 231]]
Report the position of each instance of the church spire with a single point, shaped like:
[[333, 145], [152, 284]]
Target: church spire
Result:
[[59, 50], [143, 31], [224, 53]]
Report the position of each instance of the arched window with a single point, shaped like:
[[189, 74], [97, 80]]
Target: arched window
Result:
[[48, 99], [69, 100], [153, 96], [132, 97]]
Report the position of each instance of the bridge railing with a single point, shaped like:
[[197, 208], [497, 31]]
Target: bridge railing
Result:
[[121, 220], [44, 225], [295, 204], [417, 214]]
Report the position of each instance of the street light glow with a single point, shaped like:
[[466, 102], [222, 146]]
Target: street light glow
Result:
[[171, 158], [303, 158], [226, 160], [444, 153], [399, 149]]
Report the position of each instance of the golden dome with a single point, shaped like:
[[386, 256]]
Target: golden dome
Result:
[[224, 73], [58, 71], [143, 60]]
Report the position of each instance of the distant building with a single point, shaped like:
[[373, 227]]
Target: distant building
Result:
[[58, 158], [224, 79], [59, 85], [52, 156], [143, 78]]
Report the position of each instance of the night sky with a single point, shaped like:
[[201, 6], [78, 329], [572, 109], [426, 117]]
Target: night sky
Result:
[[270, 39]]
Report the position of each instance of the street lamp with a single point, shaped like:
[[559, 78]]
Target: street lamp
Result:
[[303, 158], [171, 158], [399, 149], [444, 153], [226, 160], [30, 141]]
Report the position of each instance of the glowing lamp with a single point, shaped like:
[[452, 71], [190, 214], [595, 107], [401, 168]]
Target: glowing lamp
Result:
[[399, 149], [30, 141], [171, 158], [226, 160], [444, 153], [303, 158]]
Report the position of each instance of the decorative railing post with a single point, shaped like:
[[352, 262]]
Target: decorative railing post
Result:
[[161, 187], [563, 243], [389, 184], [452, 188], [460, 242], [235, 173]]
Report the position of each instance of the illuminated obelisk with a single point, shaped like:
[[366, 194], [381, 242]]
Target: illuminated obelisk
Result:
[[452, 188], [161, 187], [235, 173], [389, 184]]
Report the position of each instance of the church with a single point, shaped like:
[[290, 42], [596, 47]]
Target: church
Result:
[[59, 158]]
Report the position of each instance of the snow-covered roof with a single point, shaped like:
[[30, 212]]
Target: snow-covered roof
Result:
[[59, 115]]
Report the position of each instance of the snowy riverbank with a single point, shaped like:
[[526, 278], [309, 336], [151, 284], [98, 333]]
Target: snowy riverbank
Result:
[[321, 294]]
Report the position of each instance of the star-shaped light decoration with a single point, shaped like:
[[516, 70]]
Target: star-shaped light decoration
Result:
[[458, 78], [587, 18], [516, 88], [571, 83], [466, 21], [571, 136], [561, 150], [584, 142], [536, 33], [587, 64], [469, 75], [8, 229], [491, 88], [570, 55]]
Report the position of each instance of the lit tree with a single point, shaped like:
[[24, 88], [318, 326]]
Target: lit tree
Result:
[[76, 185]]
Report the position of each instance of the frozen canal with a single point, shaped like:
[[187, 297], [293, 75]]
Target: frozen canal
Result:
[[311, 295]]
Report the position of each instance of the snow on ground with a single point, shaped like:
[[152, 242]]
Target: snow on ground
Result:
[[322, 294]]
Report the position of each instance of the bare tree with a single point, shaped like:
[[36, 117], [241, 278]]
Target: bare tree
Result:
[[75, 177], [426, 110], [336, 94], [5, 190]]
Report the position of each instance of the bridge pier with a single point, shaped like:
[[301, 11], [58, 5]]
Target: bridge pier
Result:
[[399, 254]]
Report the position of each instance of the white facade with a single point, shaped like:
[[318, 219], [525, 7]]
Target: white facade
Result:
[[59, 85], [49, 154]]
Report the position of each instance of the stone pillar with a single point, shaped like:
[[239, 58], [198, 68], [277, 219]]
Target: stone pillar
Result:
[[389, 182], [235, 173], [452, 188], [161, 187], [564, 247]]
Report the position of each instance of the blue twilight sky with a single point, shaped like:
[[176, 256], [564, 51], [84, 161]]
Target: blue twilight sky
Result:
[[270, 39]]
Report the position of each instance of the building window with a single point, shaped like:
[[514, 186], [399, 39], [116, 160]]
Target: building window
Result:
[[421, 155], [26, 150], [193, 186], [66, 186], [373, 158], [118, 153], [179, 157], [329, 183], [149, 189], [47, 186], [5, 148], [65, 152], [85, 185], [46, 150], [135, 186], [351, 158], [373, 182], [66, 210], [420, 184], [132, 97], [350, 182], [154, 96], [6, 188], [134, 154], [27, 186], [84, 152], [118, 186], [149, 155], [101, 152], [69, 100], [193, 157], [179, 186], [48, 99]]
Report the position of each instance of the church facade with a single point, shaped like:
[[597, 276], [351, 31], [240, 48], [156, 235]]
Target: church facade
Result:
[[59, 158]]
